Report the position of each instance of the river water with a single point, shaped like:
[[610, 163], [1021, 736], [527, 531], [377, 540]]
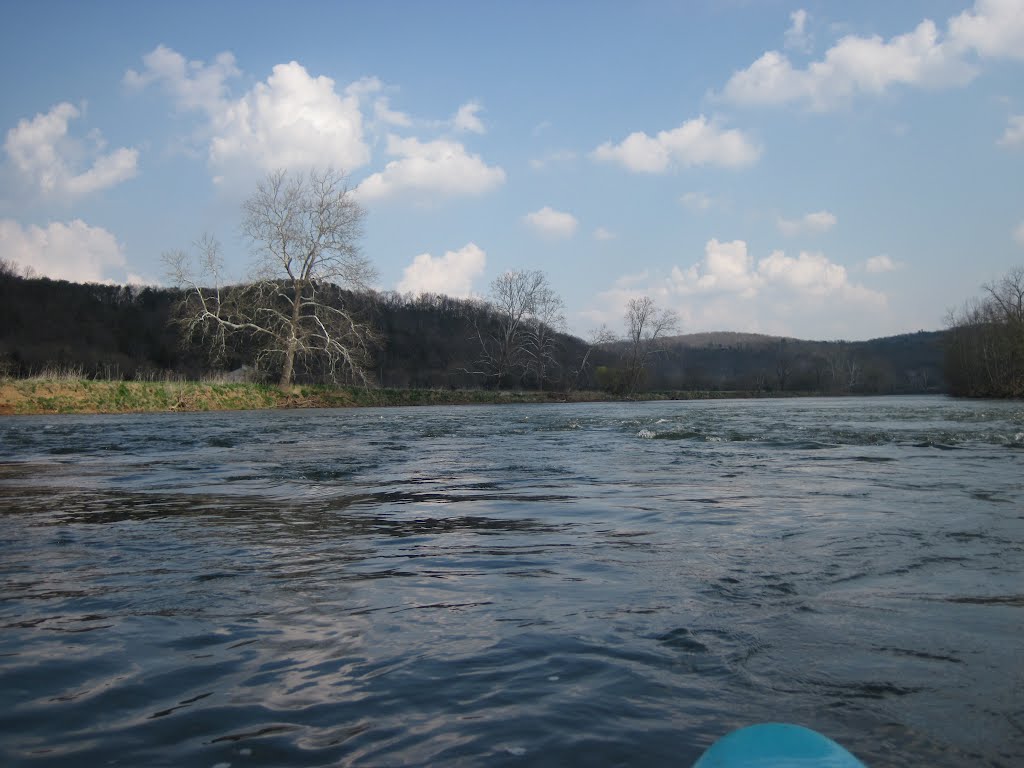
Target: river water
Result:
[[563, 585]]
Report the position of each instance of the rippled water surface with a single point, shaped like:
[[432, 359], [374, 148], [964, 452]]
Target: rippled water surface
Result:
[[607, 584]]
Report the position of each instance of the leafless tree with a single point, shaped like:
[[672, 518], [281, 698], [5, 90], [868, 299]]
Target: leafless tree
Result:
[[305, 229], [598, 338], [985, 341], [546, 321], [503, 343], [647, 327]]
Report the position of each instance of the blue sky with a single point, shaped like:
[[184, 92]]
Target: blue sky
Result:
[[814, 169]]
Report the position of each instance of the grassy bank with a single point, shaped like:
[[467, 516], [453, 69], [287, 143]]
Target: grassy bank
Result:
[[79, 395]]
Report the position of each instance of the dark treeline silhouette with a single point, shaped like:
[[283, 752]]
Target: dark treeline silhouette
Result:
[[905, 364], [985, 342], [434, 341]]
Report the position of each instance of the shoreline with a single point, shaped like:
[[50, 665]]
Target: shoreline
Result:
[[40, 397]]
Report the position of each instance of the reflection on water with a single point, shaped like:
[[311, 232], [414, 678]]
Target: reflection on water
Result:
[[525, 585]]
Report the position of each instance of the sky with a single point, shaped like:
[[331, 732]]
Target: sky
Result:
[[817, 169]]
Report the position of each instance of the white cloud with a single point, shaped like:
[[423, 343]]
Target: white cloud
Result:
[[857, 65], [993, 28], [296, 120], [290, 120], [466, 118], [1018, 234], [819, 221], [72, 251], [880, 263], [696, 142], [431, 167], [195, 85], [548, 221], [42, 152], [697, 201], [729, 268], [726, 267], [729, 290], [854, 65], [603, 234], [797, 37], [383, 113], [451, 274], [809, 273], [1014, 134]]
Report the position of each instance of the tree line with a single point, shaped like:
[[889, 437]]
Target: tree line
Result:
[[985, 341]]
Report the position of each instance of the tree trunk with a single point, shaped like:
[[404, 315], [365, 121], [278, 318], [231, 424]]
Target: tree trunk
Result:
[[289, 365]]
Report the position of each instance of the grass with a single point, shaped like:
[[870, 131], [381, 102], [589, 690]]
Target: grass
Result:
[[67, 391]]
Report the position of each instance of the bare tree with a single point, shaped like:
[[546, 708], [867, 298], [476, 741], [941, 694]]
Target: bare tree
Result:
[[598, 338], [985, 341], [305, 229], [503, 343], [547, 320], [647, 326]]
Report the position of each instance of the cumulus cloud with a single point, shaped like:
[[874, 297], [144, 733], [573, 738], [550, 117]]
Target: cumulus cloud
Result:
[[1014, 134], [451, 274], [880, 263], [430, 167], [294, 119], [603, 234], [726, 267], [290, 120], [466, 118], [797, 37], [696, 142], [729, 267], [194, 85], [383, 113], [550, 222], [42, 152], [993, 28], [855, 65], [819, 221], [728, 289], [73, 251]]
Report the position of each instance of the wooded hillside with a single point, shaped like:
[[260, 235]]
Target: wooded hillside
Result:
[[434, 341]]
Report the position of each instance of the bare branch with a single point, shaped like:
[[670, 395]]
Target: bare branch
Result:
[[304, 228]]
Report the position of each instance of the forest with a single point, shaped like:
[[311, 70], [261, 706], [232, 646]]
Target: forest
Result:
[[435, 341]]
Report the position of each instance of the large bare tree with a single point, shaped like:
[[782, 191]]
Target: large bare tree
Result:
[[503, 343], [546, 321], [304, 228], [647, 326]]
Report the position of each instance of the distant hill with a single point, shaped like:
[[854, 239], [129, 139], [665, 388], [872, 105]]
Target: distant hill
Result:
[[896, 364]]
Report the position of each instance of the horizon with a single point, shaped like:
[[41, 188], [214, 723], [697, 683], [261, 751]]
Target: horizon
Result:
[[806, 170]]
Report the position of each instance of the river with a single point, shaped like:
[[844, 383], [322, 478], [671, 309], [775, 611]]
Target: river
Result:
[[543, 585]]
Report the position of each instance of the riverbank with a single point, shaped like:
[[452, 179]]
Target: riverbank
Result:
[[58, 395]]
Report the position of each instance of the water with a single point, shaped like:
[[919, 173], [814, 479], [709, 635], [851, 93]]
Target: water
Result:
[[522, 585]]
